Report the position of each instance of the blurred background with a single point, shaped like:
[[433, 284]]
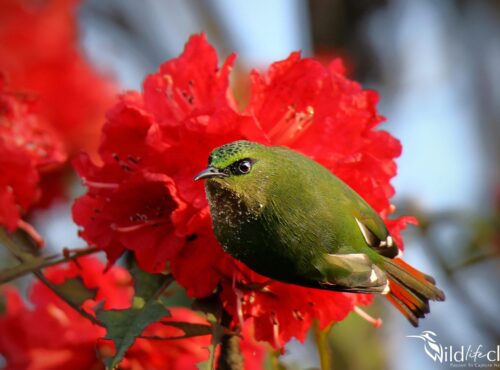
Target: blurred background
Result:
[[436, 66]]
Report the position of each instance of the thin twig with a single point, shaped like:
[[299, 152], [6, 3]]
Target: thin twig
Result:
[[479, 315], [23, 257], [57, 292], [230, 357], [474, 260], [169, 279], [52, 260], [157, 337], [216, 333]]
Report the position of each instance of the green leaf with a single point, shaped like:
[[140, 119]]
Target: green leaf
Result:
[[211, 306], [216, 331], [146, 285], [123, 326], [75, 291], [189, 329]]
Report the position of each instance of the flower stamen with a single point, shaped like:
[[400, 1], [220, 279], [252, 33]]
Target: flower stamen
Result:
[[293, 125], [376, 322], [239, 300], [127, 229], [58, 314], [99, 185], [276, 329], [171, 93], [31, 231]]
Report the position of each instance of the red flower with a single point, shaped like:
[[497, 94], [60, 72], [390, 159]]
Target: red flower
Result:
[[253, 352], [184, 112], [52, 336], [27, 149], [136, 215], [39, 55], [317, 111], [281, 312]]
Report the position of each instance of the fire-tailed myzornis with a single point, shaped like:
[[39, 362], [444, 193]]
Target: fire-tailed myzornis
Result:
[[290, 219]]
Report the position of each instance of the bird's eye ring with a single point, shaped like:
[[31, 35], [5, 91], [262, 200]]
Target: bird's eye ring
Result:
[[244, 167]]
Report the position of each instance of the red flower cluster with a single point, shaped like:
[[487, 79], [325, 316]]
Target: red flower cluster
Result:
[[142, 196], [52, 336], [27, 149], [39, 56]]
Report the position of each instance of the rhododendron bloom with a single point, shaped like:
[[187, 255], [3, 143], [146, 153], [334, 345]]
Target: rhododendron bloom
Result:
[[166, 132], [27, 149], [52, 336], [39, 56]]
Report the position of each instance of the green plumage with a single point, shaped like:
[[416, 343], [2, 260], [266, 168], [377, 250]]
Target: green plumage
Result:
[[289, 218]]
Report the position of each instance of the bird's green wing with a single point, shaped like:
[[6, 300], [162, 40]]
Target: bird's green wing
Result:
[[384, 245], [370, 223], [350, 273]]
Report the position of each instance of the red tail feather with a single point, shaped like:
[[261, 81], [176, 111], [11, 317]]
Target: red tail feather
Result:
[[410, 289]]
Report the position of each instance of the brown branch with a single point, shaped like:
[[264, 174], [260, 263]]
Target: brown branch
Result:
[[157, 337], [57, 292], [230, 357], [169, 279], [15, 272], [26, 257]]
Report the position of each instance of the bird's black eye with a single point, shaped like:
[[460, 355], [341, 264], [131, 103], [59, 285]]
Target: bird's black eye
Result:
[[241, 167], [244, 166]]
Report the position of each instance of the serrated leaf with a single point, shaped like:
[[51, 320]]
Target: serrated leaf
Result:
[[75, 291], [209, 364], [146, 285], [217, 331], [123, 326], [212, 307], [189, 329]]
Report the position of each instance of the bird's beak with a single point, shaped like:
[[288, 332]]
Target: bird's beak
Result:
[[208, 173]]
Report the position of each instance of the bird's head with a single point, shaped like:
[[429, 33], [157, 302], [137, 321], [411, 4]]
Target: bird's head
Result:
[[242, 167]]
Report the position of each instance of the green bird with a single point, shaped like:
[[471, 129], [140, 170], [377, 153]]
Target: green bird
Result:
[[288, 218]]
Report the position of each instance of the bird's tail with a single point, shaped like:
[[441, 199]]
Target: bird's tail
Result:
[[410, 289]]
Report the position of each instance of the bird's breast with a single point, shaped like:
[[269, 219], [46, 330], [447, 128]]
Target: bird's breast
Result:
[[261, 237], [232, 218]]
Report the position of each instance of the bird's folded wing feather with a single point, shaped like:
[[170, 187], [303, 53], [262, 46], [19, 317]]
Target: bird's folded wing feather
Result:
[[370, 224], [350, 272]]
